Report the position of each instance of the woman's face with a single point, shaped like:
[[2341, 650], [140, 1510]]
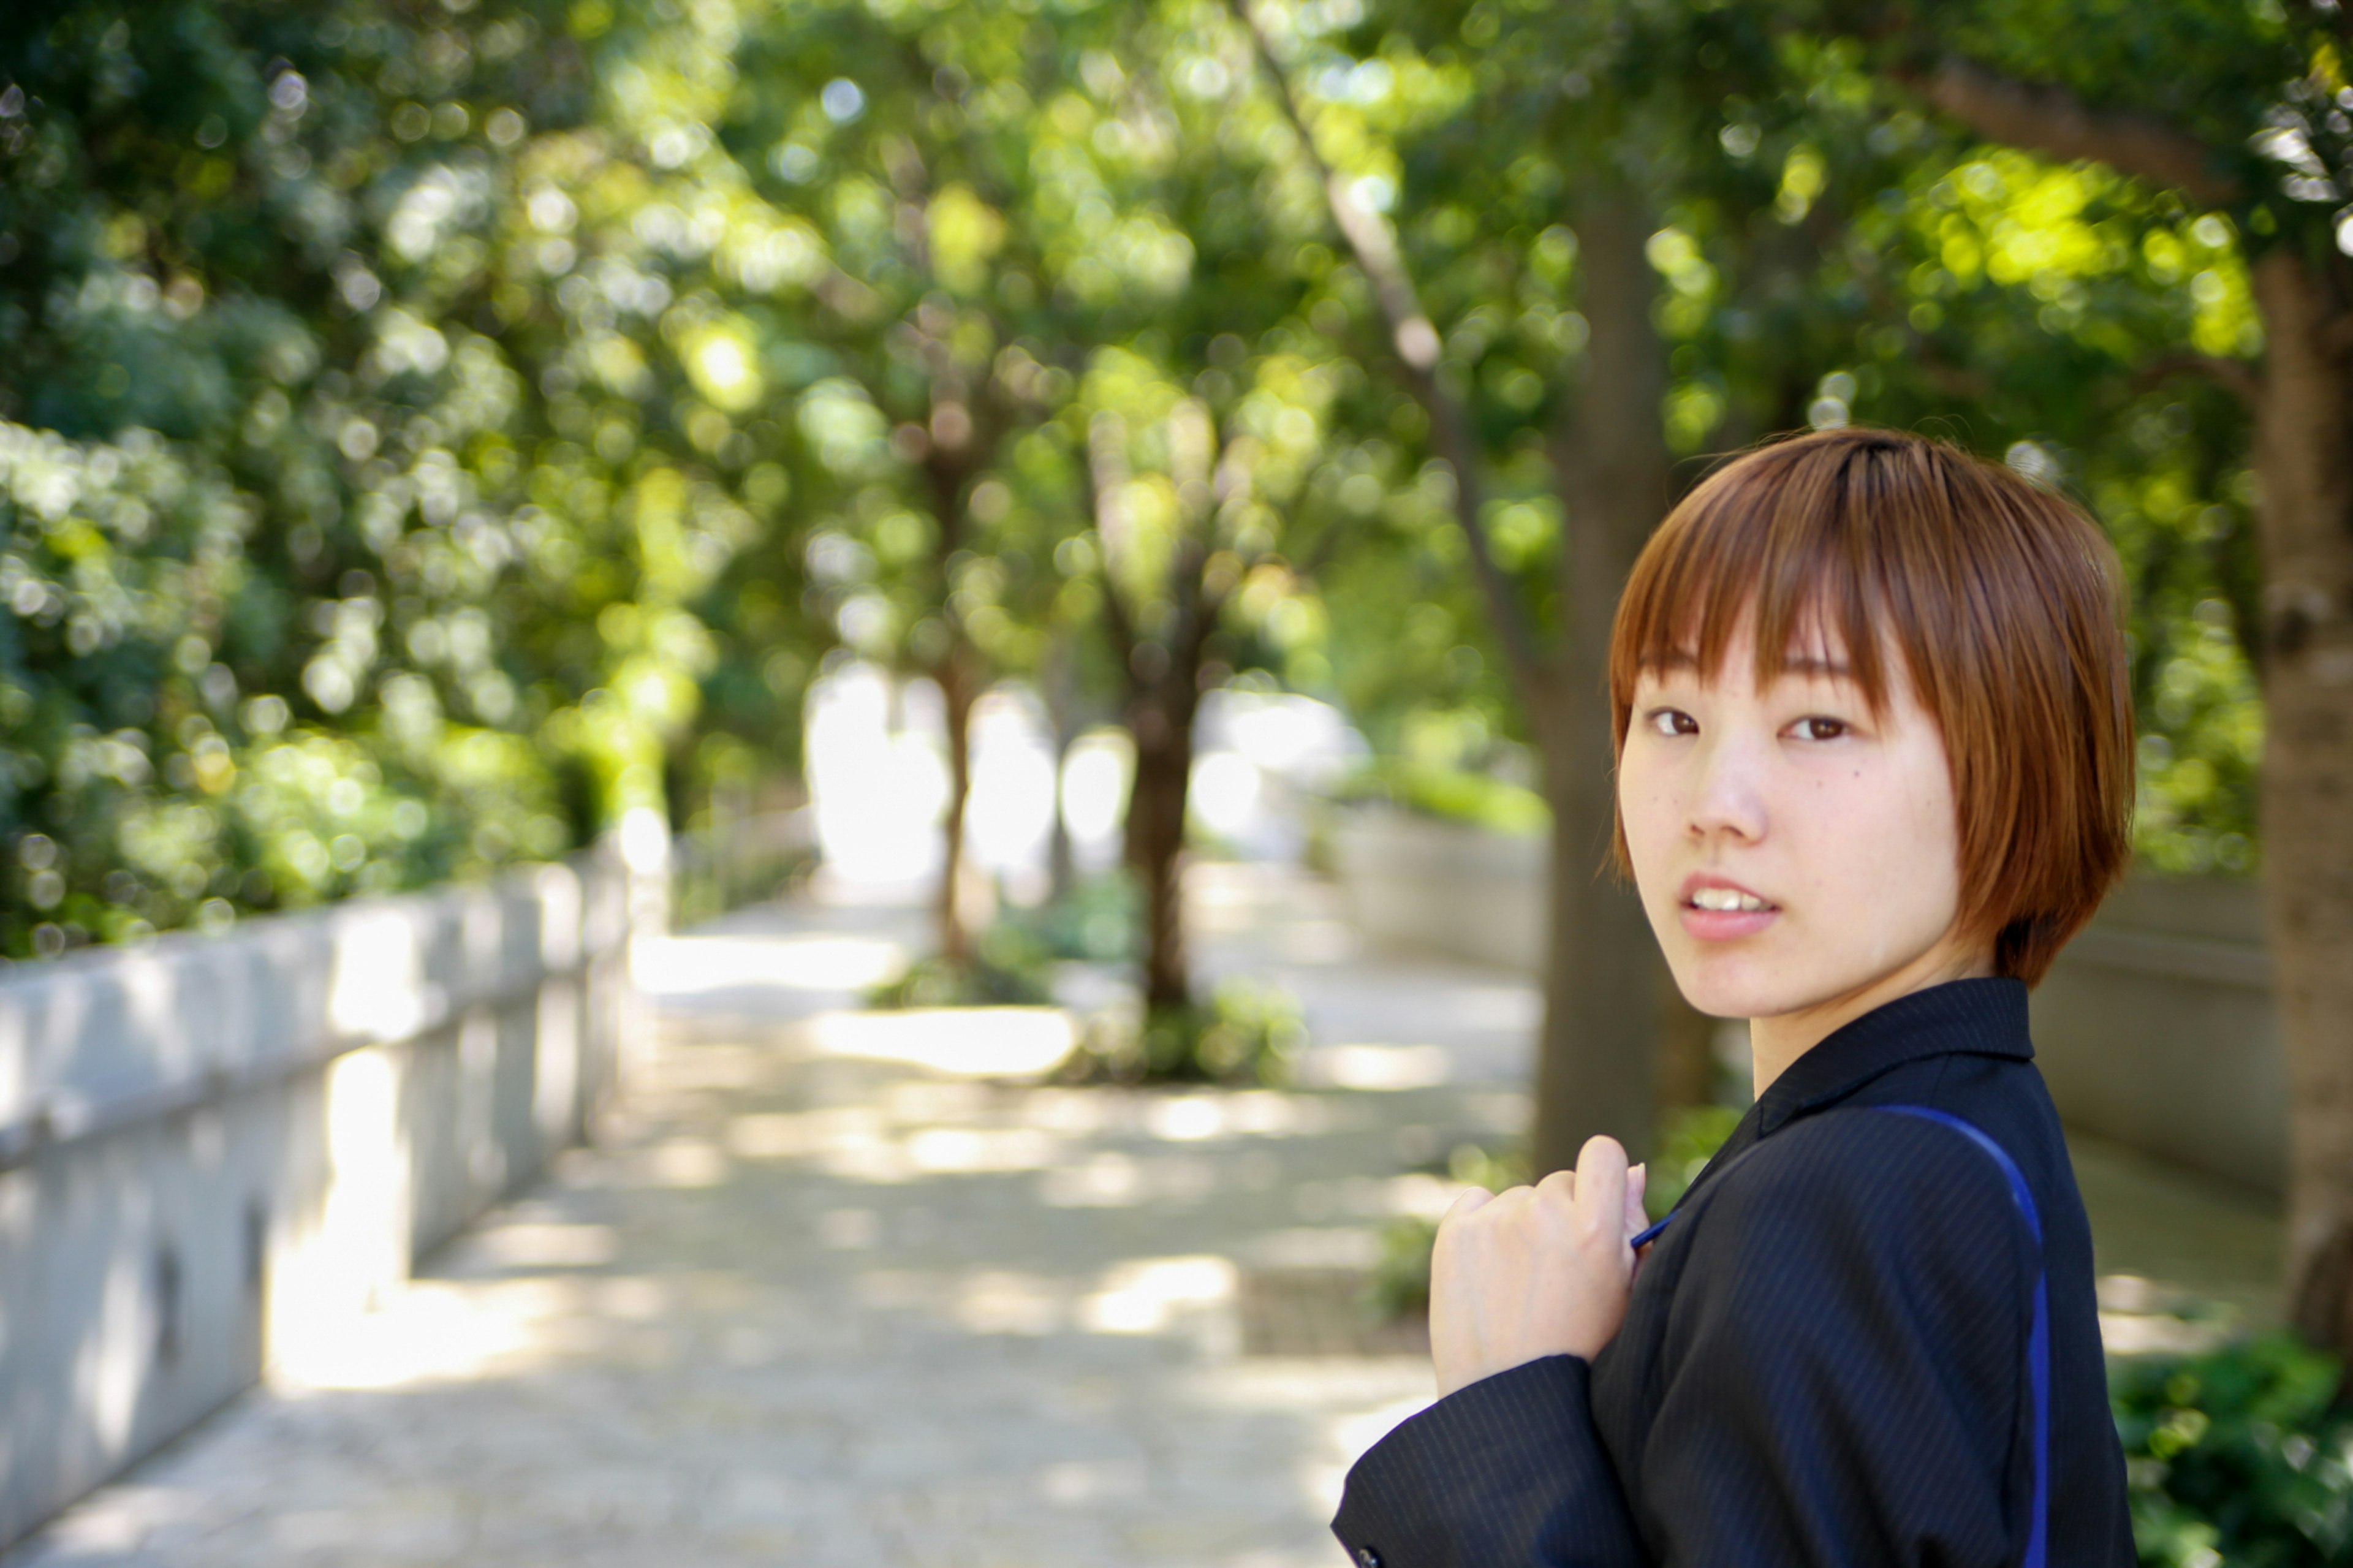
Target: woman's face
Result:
[[1795, 855]]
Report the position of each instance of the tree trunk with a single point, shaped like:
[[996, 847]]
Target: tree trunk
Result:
[[950, 460], [1058, 685], [1160, 718], [2304, 467], [958, 690], [1595, 1071], [1685, 1072]]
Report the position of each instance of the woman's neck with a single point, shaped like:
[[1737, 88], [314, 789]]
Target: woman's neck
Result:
[[1775, 1043]]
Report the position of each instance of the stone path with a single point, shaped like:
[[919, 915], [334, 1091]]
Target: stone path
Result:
[[834, 1291]]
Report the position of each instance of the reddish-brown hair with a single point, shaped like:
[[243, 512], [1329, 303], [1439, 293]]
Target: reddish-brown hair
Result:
[[2002, 600]]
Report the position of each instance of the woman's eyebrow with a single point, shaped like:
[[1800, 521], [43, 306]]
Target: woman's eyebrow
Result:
[[1816, 668]]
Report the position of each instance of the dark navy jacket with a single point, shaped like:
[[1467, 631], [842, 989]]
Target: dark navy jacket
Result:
[[1824, 1359]]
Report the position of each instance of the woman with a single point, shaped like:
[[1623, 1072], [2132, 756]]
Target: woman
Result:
[[1875, 769]]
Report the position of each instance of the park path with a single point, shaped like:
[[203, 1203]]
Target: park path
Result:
[[838, 1290], [830, 1293]]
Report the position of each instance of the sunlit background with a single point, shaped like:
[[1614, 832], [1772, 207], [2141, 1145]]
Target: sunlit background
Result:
[[777, 778]]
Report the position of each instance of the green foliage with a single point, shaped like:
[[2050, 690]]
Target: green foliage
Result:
[[147, 793], [1096, 923], [938, 981], [428, 430], [1687, 1142], [1246, 1035], [1475, 800], [361, 514], [1011, 967], [1014, 960], [2242, 1456], [1826, 252]]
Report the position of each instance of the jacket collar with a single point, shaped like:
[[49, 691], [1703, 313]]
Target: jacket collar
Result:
[[1978, 1017]]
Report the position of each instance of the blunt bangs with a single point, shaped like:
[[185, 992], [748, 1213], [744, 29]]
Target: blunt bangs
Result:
[[1999, 598], [1797, 559]]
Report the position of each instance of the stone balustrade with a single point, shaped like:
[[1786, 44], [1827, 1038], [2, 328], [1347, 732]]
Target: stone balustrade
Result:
[[215, 1150]]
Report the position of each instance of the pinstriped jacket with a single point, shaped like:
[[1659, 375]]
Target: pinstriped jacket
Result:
[[1823, 1361]]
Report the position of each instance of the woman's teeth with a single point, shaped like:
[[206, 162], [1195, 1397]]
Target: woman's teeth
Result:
[[1726, 899]]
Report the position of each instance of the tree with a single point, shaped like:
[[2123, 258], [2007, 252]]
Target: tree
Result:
[[1605, 461], [2243, 118], [1192, 551], [436, 316]]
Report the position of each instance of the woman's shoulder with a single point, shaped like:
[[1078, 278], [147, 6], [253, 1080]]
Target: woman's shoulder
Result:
[[1859, 1180]]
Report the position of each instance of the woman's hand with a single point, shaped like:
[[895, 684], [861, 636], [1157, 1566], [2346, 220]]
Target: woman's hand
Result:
[[1534, 1271]]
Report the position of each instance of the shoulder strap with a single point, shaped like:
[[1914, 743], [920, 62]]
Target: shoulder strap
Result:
[[2038, 1341]]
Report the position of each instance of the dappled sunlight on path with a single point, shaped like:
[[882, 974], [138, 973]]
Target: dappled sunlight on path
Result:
[[855, 1290]]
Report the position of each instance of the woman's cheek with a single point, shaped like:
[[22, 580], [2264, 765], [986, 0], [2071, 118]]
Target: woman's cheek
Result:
[[1650, 826]]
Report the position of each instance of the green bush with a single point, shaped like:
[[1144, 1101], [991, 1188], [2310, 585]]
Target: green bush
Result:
[[1247, 1034], [1009, 968], [2243, 1456], [938, 981], [1096, 923]]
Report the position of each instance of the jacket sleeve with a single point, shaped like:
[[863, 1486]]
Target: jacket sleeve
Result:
[[1839, 1387], [1508, 1471], [1842, 1379]]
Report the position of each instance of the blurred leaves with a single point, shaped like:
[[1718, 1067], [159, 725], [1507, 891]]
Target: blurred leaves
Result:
[[2242, 1456], [488, 408]]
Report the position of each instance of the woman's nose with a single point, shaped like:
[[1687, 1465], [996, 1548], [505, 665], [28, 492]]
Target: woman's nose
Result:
[[1729, 795]]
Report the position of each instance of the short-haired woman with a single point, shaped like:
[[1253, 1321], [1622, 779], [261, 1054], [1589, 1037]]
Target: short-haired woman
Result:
[[1875, 769]]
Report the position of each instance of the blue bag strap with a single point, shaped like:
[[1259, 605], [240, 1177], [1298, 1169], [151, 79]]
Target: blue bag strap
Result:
[[2038, 1339]]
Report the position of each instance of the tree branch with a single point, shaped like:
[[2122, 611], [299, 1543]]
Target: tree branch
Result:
[[2041, 118], [1417, 344], [2236, 375], [1106, 472]]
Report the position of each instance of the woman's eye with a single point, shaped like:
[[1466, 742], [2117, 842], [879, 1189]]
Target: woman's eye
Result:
[[1672, 721], [1819, 729]]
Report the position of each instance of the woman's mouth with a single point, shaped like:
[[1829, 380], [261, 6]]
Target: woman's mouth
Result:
[[1716, 910]]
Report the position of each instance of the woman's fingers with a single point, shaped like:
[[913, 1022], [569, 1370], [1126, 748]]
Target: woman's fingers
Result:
[[1470, 1200], [1638, 1182], [1602, 1188], [1532, 1271]]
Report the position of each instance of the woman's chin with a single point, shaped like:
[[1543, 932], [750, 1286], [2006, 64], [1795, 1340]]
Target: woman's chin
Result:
[[1722, 988]]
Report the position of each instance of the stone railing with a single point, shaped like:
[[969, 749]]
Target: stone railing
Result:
[[213, 1150], [2156, 1028], [1443, 887]]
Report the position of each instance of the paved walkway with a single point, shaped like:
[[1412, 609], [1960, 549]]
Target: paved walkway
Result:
[[834, 1293]]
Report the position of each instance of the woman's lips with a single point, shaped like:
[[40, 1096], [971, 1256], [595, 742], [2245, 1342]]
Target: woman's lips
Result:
[[1716, 909], [1725, 925]]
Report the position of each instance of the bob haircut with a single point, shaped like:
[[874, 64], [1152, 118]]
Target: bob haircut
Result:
[[2001, 601]]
